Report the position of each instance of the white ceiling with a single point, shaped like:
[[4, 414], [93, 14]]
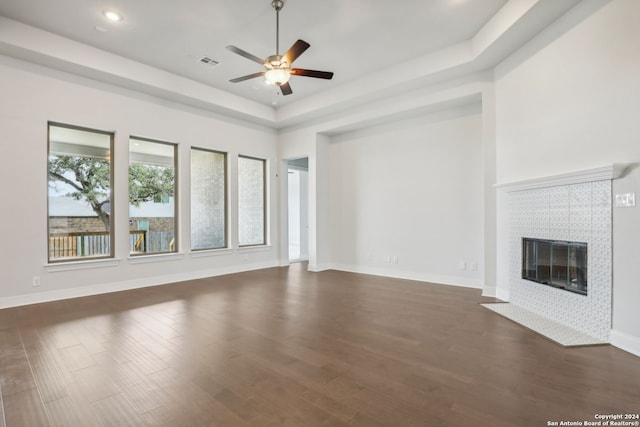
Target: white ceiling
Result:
[[352, 38]]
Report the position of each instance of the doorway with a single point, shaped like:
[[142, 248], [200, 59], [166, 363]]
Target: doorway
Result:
[[298, 209]]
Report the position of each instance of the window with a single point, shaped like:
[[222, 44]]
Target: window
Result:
[[208, 199], [251, 201], [152, 197], [80, 178]]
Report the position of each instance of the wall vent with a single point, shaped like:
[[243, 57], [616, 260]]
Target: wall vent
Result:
[[208, 61]]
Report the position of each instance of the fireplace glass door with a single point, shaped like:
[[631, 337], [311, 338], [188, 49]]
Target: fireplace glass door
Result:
[[560, 265], [555, 263], [578, 268]]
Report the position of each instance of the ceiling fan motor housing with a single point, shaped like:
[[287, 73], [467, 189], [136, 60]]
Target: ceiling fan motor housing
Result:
[[276, 61]]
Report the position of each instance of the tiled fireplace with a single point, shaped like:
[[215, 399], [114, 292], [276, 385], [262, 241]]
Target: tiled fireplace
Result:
[[573, 210], [578, 213]]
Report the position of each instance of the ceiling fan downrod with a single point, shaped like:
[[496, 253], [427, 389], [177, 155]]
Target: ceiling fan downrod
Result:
[[277, 5]]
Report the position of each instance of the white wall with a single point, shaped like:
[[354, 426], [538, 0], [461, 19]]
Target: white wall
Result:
[[31, 96], [423, 104], [572, 104], [406, 198]]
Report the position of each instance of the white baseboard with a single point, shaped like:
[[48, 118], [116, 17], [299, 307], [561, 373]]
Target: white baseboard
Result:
[[318, 267], [495, 292], [105, 288], [625, 342], [489, 291], [466, 282]]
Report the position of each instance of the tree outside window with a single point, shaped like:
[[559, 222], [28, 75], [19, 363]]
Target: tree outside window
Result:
[[80, 180], [152, 197], [80, 196]]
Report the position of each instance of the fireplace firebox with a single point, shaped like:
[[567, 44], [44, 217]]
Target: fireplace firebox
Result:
[[556, 263]]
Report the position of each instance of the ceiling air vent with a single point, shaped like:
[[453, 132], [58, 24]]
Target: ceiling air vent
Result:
[[208, 61]]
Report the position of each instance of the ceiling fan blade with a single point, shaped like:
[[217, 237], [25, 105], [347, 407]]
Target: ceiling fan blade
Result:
[[312, 73], [247, 77], [286, 89], [246, 54], [295, 51]]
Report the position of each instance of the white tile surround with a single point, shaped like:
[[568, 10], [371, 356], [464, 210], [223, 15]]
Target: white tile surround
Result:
[[572, 207]]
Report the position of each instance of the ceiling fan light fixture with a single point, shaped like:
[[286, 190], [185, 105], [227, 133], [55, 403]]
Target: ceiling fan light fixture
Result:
[[277, 76], [277, 68]]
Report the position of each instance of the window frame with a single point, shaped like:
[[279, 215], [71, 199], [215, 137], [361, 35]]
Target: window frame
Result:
[[226, 197], [176, 203], [112, 222], [264, 203]]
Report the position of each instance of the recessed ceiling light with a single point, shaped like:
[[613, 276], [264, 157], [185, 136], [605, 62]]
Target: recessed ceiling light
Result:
[[112, 16]]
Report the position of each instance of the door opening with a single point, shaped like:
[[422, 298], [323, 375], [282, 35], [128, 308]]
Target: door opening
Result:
[[298, 211]]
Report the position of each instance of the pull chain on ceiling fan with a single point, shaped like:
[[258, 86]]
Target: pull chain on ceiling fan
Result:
[[277, 68]]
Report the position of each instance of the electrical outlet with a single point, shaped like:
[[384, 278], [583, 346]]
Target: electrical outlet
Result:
[[462, 265], [627, 200], [36, 281], [394, 259], [474, 266]]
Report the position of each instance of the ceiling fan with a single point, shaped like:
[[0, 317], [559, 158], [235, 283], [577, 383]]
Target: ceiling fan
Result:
[[277, 68]]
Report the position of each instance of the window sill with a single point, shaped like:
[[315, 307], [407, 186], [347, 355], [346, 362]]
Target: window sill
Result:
[[142, 259], [257, 248], [81, 265], [210, 252]]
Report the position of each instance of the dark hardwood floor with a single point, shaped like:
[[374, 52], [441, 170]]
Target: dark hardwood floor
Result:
[[284, 347]]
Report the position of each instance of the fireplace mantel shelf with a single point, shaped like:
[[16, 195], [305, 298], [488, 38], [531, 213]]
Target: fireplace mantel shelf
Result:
[[608, 172]]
